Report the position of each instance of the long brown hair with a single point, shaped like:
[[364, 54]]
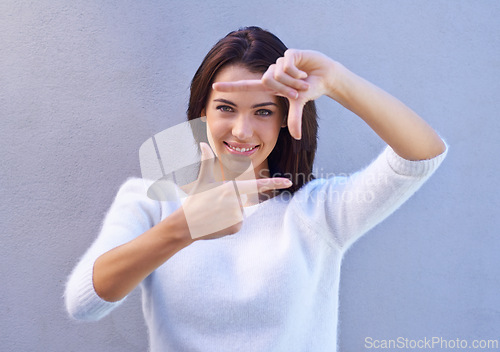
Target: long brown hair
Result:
[[257, 49]]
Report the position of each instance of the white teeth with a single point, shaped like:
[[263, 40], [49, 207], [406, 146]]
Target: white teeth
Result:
[[240, 149]]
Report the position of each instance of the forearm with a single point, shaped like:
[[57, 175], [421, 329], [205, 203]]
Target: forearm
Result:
[[118, 271], [407, 133]]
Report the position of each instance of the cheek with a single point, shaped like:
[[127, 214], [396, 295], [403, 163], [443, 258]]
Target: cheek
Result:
[[210, 139], [216, 131], [273, 129], [270, 137], [215, 127]]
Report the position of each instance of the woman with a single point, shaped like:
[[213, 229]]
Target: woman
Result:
[[273, 284]]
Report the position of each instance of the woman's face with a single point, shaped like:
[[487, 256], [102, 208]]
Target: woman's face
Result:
[[243, 125]]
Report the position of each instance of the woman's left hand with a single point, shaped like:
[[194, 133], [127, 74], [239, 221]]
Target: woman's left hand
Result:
[[304, 75], [300, 76]]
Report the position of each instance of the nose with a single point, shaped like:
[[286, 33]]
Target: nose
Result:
[[242, 128]]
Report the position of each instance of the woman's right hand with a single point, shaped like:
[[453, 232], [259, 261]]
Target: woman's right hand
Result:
[[214, 209], [211, 210]]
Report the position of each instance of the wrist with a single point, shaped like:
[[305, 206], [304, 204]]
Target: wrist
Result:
[[337, 74], [174, 229]]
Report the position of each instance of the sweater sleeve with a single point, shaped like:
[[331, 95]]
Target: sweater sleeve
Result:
[[347, 207], [131, 214]]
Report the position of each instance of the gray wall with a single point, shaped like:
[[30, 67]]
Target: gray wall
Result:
[[84, 83]]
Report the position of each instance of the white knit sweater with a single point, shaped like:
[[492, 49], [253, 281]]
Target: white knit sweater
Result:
[[273, 286]]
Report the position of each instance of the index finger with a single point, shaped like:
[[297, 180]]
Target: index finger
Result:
[[247, 85], [262, 185]]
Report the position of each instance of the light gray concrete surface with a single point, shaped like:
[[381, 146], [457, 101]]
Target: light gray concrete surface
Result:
[[84, 83]]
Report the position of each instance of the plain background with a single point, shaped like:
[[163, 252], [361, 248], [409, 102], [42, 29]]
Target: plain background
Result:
[[84, 83]]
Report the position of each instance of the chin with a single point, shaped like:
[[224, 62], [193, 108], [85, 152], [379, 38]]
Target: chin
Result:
[[236, 164]]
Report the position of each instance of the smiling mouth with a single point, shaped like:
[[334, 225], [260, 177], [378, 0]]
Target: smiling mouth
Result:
[[248, 150]]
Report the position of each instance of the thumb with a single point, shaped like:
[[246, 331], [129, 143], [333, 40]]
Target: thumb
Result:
[[206, 173], [295, 118]]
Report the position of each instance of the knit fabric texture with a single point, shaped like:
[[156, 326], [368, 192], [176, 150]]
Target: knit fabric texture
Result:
[[274, 285]]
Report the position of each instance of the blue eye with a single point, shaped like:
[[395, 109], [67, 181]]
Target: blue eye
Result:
[[225, 108], [264, 112]]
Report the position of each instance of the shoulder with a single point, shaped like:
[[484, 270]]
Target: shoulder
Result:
[[133, 185], [132, 203], [314, 187], [135, 191], [310, 197]]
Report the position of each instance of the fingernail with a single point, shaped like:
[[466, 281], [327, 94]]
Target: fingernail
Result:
[[287, 183], [293, 94]]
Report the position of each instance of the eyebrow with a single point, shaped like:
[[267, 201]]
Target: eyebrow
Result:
[[253, 106]]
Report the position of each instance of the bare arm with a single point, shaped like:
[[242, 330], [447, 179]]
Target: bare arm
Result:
[[211, 211], [406, 132], [304, 75], [119, 271]]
